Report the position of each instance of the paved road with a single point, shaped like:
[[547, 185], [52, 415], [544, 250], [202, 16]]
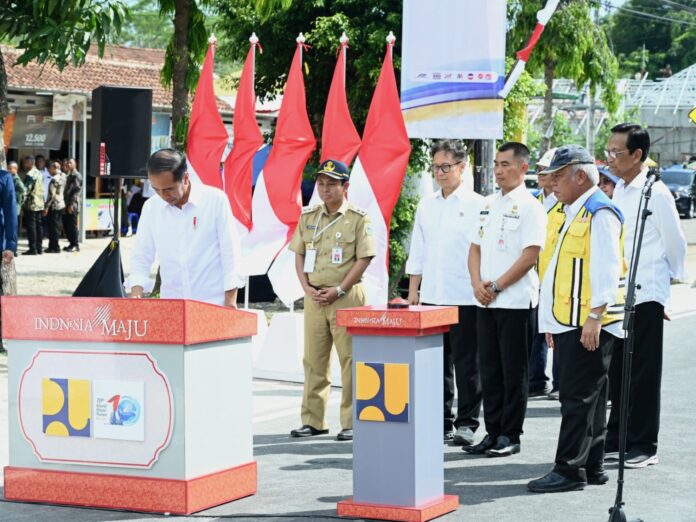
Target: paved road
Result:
[[300, 480]]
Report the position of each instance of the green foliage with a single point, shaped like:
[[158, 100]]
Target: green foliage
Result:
[[515, 111], [666, 43], [56, 32], [197, 44], [146, 26]]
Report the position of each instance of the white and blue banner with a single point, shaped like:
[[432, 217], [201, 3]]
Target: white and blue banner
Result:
[[453, 67]]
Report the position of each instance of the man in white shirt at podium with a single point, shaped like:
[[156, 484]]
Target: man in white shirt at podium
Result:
[[189, 227]]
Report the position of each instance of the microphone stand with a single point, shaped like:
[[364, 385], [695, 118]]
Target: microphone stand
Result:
[[616, 512]]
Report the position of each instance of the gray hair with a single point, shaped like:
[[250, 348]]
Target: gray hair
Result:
[[456, 148], [590, 169]]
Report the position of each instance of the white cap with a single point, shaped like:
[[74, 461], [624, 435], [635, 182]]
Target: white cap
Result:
[[545, 160]]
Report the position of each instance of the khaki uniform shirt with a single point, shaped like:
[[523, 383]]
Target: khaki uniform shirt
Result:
[[352, 233]]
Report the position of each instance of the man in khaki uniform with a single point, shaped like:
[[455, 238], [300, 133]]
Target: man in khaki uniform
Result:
[[333, 245]]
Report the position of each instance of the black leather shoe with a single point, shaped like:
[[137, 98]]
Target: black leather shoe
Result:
[[597, 478], [504, 447], [307, 431], [345, 435], [479, 449], [52, 250], [73, 248], [554, 483], [29, 253]]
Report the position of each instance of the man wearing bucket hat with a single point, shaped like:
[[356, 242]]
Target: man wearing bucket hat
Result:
[[581, 311], [333, 246]]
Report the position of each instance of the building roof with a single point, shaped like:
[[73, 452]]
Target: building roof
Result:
[[120, 66]]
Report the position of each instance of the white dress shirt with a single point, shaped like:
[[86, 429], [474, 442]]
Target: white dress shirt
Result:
[[440, 243], [663, 252], [506, 226], [46, 182], [548, 201], [605, 266], [197, 246]]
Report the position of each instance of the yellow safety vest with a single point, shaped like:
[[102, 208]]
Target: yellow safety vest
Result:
[[572, 291], [553, 227]]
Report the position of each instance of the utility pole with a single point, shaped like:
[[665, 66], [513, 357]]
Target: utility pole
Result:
[[590, 128]]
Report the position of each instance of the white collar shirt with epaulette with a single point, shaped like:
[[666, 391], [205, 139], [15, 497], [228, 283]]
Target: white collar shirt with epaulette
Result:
[[506, 226], [439, 249], [348, 229]]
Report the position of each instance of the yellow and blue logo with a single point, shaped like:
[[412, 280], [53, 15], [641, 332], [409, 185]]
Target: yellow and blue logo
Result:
[[66, 407], [382, 392]]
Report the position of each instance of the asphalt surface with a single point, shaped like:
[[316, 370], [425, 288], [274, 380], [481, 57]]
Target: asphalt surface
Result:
[[303, 479]]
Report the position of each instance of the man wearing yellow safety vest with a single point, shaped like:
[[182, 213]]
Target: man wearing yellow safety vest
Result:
[[539, 349], [581, 311]]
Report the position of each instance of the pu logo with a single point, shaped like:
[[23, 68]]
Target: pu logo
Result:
[[382, 392], [66, 407]]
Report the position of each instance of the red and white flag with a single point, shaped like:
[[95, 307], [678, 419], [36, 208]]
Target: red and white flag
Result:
[[339, 138], [277, 201], [239, 166], [378, 173], [339, 141], [207, 136]]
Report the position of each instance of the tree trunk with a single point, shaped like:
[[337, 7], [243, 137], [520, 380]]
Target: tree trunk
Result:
[[547, 130], [4, 111], [180, 67]]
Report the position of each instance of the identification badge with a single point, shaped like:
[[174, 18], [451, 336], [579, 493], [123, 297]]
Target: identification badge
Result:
[[500, 241], [337, 255], [310, 260]]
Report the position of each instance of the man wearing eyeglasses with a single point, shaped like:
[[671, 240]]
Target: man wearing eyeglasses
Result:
[[437, 263], [662, 257], [510, 232]]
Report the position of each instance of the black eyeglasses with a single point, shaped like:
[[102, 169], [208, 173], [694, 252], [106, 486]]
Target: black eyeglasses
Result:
[[445, 167]]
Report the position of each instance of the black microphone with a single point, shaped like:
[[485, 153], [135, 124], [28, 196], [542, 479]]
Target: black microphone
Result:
[[653, 177]]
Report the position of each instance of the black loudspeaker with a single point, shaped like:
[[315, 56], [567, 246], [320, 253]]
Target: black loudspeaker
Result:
[[121, 131]]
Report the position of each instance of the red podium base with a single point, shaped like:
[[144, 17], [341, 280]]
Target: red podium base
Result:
[[181, 497], [422, 513]]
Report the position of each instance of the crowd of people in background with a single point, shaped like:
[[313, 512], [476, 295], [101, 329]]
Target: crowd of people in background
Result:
[[48, 194]]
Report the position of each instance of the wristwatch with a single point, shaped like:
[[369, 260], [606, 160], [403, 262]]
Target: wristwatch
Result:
[[596, 317], [494, 287], [340, 292]]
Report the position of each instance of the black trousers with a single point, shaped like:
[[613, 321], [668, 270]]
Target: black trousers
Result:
[[538, 353], [583, 395], [32, 220], [503, 338], [461, 366], [646, 382], [70, 227], [54, 224]]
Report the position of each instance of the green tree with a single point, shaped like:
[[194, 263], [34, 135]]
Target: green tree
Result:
[[572, 46], [146, 26], [185, 53], [648, 35], [54, 32]]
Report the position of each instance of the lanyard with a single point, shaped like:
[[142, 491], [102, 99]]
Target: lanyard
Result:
[[318, 233]]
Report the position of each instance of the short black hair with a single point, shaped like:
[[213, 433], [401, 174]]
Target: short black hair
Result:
[[53, 162], [519, 150], [28, 157], [636, 138], [456, 148], [167, 160]]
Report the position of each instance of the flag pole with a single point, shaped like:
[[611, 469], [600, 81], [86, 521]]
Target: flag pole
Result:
[[344, 49], [254, 41], [390, 40]]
